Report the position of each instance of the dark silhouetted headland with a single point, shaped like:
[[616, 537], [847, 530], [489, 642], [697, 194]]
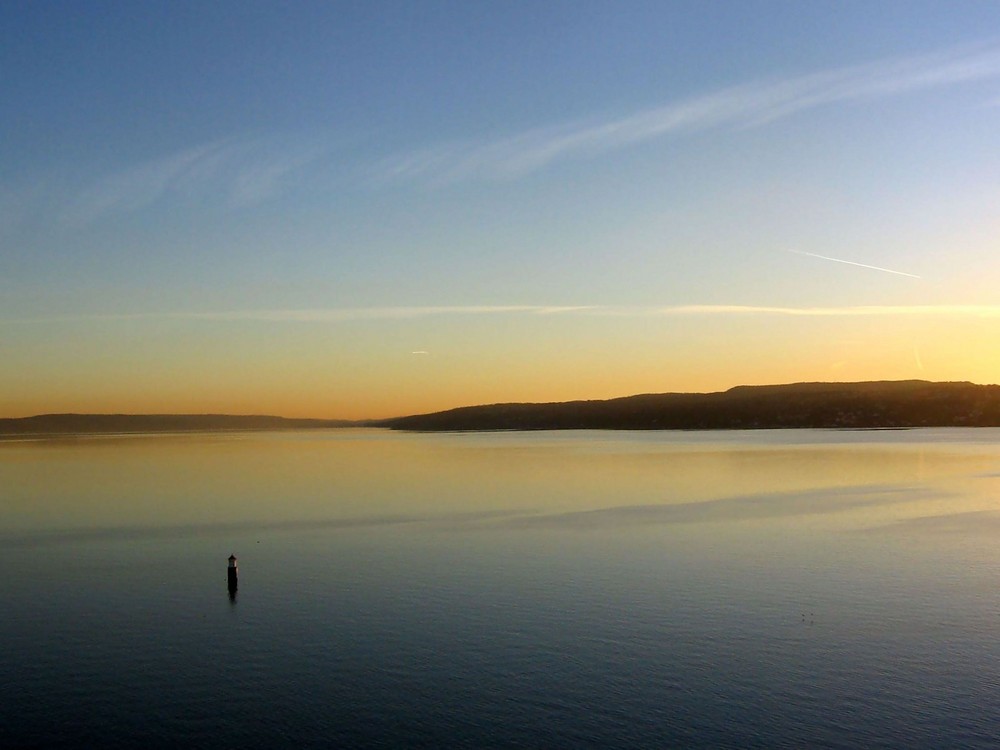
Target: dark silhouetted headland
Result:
[[68, 424], [884, 404]]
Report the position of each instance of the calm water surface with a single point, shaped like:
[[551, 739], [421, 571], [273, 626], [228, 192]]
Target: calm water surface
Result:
[[551, 589]]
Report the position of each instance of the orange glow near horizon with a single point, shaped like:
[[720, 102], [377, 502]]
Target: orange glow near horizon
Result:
[[419, 366]]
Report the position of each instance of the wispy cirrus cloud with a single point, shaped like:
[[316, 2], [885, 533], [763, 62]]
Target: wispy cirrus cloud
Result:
[[745, 105], [977, 311], [382, 313], [246, 171], [348, 314], [237, 171]]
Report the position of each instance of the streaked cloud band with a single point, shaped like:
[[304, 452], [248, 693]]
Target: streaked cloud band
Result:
[[344, 315], [241, 172], [388, 313], [744, 105]]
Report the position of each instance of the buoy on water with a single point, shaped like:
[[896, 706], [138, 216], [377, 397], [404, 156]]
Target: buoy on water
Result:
[[234, 574]]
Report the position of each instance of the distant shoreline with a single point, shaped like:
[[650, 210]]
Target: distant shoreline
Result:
[[69, 425], [879, 405], [12, 437]]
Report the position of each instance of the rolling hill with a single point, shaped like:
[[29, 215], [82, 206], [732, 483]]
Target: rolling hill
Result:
[[883, 404]]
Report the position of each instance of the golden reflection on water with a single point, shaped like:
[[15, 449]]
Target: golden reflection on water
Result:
[[190, 480]]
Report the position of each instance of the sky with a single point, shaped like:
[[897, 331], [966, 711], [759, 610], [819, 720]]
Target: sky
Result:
[[368, 209]]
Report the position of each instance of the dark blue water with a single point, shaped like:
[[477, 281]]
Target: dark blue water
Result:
[[516, 602]]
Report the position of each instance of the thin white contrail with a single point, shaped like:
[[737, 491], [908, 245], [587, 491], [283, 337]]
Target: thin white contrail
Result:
[[852, 263]]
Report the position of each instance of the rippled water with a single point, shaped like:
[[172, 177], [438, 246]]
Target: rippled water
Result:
[[737, 589]]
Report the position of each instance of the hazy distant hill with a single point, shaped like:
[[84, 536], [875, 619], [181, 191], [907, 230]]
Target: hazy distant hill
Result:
[[118, 423], [908, 403]]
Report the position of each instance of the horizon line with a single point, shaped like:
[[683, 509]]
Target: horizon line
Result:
[[360, 421]]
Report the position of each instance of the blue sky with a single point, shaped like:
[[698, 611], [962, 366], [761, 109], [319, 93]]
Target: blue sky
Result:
[[563, 179]]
